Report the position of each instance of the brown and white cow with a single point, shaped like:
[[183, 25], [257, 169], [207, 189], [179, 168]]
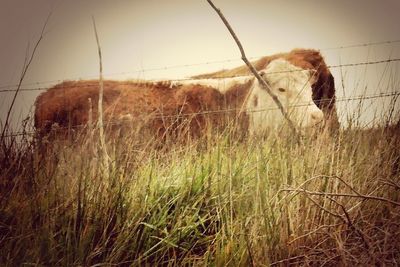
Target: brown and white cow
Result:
[[199, 104], [323, 85]]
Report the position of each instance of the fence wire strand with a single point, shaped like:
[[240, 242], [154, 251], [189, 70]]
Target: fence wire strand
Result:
[[128, 82]]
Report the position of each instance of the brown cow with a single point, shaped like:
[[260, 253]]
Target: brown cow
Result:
[[323, 86], [198, 104]]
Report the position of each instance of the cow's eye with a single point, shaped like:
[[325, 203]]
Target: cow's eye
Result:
[[282, 90]]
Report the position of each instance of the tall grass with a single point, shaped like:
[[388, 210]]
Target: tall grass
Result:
[[215, 201]]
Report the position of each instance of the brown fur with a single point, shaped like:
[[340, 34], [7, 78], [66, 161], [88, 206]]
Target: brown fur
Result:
[[323, 87], [67, 103], [158, 107]]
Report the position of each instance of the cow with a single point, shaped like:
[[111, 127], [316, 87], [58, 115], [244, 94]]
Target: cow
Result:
[[191, 107], [323, 85]]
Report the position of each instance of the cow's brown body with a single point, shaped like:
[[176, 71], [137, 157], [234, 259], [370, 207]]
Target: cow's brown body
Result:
[[158, 107]]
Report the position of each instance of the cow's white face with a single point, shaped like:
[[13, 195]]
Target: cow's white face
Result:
[[292, 86]]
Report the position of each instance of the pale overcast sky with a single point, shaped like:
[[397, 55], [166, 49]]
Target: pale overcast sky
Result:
[[138, 35]]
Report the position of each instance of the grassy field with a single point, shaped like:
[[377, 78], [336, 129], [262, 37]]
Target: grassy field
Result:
[[326, 201]]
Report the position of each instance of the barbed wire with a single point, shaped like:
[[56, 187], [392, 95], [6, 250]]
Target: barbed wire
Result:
[[209, 112], [131, 82], [361, 45], [190, 65]]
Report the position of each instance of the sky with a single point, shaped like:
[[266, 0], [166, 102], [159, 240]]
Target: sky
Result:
[[139, 36]]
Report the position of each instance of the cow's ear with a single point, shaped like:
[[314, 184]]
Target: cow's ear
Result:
[[313, 76]]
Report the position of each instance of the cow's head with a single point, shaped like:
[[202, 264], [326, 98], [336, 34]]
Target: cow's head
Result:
[[292, 86]]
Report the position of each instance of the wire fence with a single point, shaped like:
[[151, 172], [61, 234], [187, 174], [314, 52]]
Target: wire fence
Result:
[[210, 112], [12, 87], [172, 81]]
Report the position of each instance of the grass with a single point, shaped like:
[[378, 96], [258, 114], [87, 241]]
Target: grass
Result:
[[213, 202]]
